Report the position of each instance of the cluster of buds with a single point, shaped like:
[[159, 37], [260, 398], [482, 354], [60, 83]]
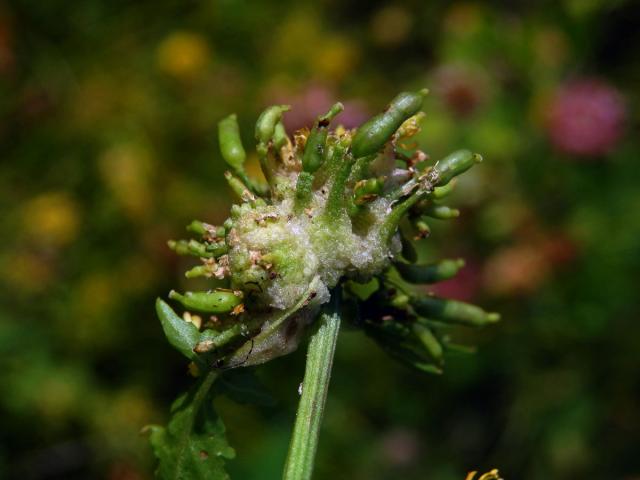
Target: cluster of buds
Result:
[[337, 216]]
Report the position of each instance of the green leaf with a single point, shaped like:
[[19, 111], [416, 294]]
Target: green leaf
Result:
[[193, 446], [181, 334]]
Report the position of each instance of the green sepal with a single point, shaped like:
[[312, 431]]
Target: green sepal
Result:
[[193, 445]]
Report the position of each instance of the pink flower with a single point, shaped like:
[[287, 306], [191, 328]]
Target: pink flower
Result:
[[586, 118]]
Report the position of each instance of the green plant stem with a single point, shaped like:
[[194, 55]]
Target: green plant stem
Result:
[[203, 389], [306, 431]]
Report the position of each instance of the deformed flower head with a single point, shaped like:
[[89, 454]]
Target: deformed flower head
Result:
[[334, 219]]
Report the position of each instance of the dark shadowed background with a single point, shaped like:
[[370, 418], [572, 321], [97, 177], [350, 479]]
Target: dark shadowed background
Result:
[[108, 147]]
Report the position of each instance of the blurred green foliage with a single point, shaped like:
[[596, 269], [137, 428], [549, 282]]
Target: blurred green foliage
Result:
[[107, 136]]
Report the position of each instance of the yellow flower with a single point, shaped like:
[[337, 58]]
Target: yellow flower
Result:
[[51, 218], [183, 55], [492, 475]]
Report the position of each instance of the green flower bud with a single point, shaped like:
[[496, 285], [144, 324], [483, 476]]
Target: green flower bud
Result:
[[453, 165], [453, 311], [266, 124], [372, 136], [428, 340], [230, 142], [430, 273], [441, 212]]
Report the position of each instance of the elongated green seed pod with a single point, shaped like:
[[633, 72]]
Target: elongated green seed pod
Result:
[[453, 311], [428, 340], [372, 135], [313, 155], [215, 301], [454, 164], [231, 143], [430, 273]]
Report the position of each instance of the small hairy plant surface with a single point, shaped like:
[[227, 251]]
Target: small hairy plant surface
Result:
[[336, 220]]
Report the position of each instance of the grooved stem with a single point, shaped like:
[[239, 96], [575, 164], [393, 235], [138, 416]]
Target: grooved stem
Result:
[[306, 431]]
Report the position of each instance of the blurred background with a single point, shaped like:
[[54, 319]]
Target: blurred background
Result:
[[108, 114]]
